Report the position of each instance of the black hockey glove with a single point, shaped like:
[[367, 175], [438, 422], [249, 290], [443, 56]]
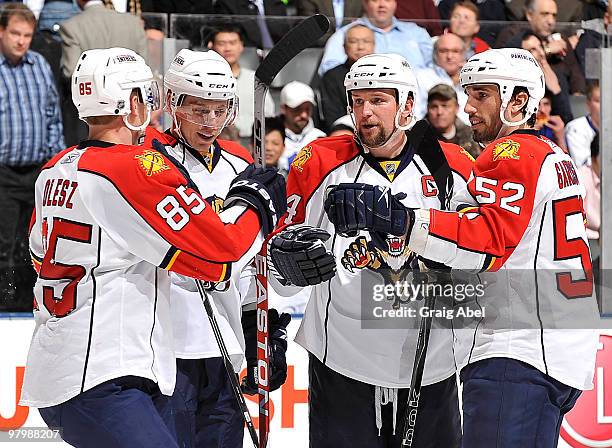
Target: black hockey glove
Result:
[[277, 326], [298, 256], [263, 189], [354, 207]]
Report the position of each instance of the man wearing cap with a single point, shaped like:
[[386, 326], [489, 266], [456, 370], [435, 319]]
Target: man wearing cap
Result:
[[442, 109], [297, 101]]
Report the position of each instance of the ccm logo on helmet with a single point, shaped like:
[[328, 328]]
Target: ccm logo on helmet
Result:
[[362, 75], [218, 86]]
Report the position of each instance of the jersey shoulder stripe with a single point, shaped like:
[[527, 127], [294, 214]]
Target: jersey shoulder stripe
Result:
[[235, 149], [459, 160]]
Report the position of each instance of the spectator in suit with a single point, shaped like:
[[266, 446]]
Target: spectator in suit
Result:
[[228, 42], [465, 23], [541, 16], [260, 32], [98, 27], [30, 133], [297, 101], [392, 36], [95, 27], [358, 42], [593, 38], [448, 57], [558, 97], [337, 10], [442, 110], [421, 10], [580, 132]]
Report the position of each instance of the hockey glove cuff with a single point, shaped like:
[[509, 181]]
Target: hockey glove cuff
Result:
[[264, 190], [354, 207]]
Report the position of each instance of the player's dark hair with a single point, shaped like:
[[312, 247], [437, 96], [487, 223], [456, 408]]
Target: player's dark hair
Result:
[[532, 120]]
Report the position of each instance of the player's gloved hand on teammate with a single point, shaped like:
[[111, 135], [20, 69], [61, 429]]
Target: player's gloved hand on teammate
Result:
[[263, 189], [277, 326], [298, 256], [354, 207]]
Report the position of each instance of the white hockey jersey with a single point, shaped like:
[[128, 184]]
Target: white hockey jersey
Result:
[[109, 221], [527, 230], [337, 327], [193, 336]]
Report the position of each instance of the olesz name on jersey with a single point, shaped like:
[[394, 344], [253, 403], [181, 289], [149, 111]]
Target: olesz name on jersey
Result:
[[59, 192]]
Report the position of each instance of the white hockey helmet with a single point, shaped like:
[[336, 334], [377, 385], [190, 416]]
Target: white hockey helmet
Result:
[[103, 80], [507, 68], [382, 71], [203, 75]]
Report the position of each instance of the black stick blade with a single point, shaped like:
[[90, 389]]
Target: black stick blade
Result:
[[305, 34]]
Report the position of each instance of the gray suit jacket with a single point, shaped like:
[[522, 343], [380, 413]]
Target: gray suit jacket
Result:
[[98, 27]]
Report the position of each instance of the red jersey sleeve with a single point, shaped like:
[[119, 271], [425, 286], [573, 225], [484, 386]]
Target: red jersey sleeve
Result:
[[308, 171], [200, 244], [504, 185]]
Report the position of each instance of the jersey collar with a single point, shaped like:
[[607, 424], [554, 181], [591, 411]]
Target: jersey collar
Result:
[[209, 161]]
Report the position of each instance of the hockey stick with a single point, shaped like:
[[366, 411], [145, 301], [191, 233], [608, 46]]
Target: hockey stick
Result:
[[228, 363], [305, 34], [417, 373]]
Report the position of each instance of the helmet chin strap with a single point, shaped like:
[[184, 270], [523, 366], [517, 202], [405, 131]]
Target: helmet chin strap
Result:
[[140, 128]]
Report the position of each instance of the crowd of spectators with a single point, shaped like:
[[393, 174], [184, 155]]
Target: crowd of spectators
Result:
[[41, 41]]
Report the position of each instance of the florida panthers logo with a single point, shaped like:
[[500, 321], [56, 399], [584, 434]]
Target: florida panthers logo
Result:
[[302, 157], [152, 162]]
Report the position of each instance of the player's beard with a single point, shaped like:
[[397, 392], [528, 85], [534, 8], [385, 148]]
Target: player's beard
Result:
[[376, 139], [489, 133]]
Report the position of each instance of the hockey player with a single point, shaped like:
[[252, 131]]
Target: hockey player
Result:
[[200, 96], [359, 377], [110, 220], [530, 354]]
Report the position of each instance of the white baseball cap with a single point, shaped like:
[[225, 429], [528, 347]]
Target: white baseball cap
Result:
[[296, 93]]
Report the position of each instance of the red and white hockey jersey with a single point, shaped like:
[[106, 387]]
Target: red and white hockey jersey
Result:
[[527, 229], [193, 336], [109, 222], [334, 329]]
